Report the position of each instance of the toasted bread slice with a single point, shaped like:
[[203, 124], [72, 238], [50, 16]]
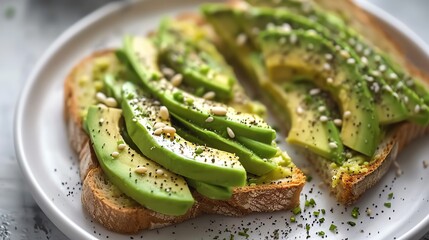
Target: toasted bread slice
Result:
[[117, 212]]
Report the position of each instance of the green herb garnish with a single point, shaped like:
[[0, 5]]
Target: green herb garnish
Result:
[[355, 212], [296, 210], [351, 223], [333, 227], [387, 204]]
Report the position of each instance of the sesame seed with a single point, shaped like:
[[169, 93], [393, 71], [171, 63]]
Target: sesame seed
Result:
[[333, 145], [101, 120], [241, 39], [163, 113], [220, 111], [159, 125], [101, 97], [231, 134], [209, 119], [405, 98], [140, 170], [328, 56], [114, 154], [326, 66], [169, 130], [167, 71], [364, 60], [344, 53], [209, 95], [347, 114], [375, 87], [321, 108], [417, 109], [314, 91], [351, 61], [367, 52], [393, 75], [159, 172], [329, 80], [376, 73], [158, 131], [111, 102], [382, 68], [323, 118], [299, 110], [369, 78], [338, 122], [293, 38], [121, 146], [176, 80], [286, 27]]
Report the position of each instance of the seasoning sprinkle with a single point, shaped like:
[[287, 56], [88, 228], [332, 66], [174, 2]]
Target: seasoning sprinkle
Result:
[[141, 170], [323, 118], [121, 146], [338, 122], [159, 125], [231, 134], [176, 80], [114, 154], [209, 119], [101, 97], [163, 113], [209, 95], [159, 172], [220, 111], [111, 102]]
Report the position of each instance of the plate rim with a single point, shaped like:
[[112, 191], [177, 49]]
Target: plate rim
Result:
[[64, 223]]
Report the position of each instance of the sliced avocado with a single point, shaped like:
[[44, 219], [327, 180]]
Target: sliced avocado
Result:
[[211, 191], [412, 93], [301, 53], [389, 106], [142, 55], [167, 148], [167, 193], [250, 161], [312, 124], [191, 55], [261, 149]]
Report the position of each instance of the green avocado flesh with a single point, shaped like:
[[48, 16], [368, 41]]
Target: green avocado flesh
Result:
[[389, 106], [172, 151], [383, 73], [250, 161], [304, 56], [165, 193], [305, 112], [185, 49], [142, 56], [211, 191]]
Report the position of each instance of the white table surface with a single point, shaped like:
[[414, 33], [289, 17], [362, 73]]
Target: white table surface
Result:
[[27, 28]]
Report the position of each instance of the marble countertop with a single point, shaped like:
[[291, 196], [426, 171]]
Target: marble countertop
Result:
[[27, 28]]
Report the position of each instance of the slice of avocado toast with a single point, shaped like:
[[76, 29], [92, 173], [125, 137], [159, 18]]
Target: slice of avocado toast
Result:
[[183, 48], [250, 161], [142, 56], [132, 173], [412, 93], [389, 106], [305, 56], [149, 126]]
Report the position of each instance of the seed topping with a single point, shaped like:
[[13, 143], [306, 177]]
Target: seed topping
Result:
[[231, 134], [163, 113]]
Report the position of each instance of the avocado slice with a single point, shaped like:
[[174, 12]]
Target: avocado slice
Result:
[[312, 123], [143, 57], [188, 159], [211, 191], [412, 93], [302, 53], [250, 161], [389, 107], [167, 193], [186, 50], [284, 169]]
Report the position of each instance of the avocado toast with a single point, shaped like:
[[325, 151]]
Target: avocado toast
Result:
[[110, 206]]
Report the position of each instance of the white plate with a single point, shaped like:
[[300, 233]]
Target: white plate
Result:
[[49, 164]]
